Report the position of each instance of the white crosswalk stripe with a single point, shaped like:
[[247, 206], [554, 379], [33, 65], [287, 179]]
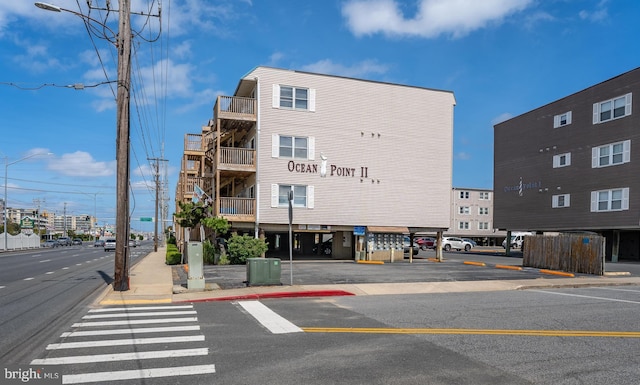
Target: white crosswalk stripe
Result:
[[123, 344]]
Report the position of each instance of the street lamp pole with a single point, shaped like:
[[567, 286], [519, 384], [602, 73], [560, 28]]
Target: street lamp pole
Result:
[[6, 169], [123, 46]]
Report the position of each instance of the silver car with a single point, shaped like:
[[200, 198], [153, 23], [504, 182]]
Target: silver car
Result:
[[110, 244], [456, 243]]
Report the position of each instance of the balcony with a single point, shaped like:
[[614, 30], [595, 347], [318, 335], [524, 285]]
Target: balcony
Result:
[[193, 144], [237, 159], [237, 209], [235, 108]]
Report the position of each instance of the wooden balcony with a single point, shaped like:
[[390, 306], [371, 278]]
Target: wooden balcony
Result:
[[237, 159], [237, 209], [235, 108], [193, 144]]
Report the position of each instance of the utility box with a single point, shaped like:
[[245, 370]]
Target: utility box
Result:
[[263, 271], [195, 279]]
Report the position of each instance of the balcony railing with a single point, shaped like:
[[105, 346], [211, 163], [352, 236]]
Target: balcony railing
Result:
[[242, 209], [234, 156], [193, 142], [234, 107]]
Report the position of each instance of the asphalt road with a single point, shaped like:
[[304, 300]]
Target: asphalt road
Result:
[[41, 290]]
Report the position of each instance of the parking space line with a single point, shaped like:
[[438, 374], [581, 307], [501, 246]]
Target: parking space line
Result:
[[586, 296]]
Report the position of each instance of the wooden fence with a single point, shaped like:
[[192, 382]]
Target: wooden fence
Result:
[[574, 253]]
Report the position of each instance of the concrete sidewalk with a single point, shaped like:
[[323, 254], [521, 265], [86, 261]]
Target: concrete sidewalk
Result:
[[152, 282]]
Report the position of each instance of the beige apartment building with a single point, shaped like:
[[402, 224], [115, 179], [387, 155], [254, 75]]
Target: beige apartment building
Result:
[[347, 151], [472, 216]]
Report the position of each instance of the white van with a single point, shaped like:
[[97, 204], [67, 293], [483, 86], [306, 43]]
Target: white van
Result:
[[517, 239]]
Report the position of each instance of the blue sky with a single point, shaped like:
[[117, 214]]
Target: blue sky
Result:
[[500, 58]]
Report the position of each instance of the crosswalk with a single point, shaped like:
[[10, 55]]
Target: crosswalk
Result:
[[116, 344]]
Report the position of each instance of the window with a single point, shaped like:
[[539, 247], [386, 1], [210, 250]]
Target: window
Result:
[[464, 194], [293, 98], [612, 109], [483, 225], [464, 210], [483, 210], [562, 120], [611, 154], [610, 200], [292, 147], [558, 201], [302, 195], [463, 225], [484, 195], [562, 160]]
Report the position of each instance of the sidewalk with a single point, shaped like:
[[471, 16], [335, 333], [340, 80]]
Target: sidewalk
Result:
[[152, 282]]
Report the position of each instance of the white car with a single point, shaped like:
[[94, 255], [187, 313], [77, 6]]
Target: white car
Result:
[[456, 243], [110, 244]]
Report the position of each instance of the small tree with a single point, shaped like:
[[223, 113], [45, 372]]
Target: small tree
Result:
[[244, 246]]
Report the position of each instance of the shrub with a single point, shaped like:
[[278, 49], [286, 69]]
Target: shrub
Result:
[[174, 256], [242, 247], [208, 252]]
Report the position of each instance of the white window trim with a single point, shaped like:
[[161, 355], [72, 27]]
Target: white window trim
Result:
[[464, 210], [555, 201], [483, 211], [484, 194], [597, 106], [463, 225], [481, 225], [626, 154], [557, 120], [556, 160], [275, 146], [625, 200], [275, 196], [311, 99]]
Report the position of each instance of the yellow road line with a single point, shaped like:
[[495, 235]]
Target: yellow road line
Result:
[[504, 332]]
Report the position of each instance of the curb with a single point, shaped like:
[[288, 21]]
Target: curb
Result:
[[283, 294]]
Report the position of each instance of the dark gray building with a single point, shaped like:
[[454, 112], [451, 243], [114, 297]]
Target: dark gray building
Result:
[[569, 166]]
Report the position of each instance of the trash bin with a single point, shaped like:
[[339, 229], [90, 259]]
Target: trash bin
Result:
[[263, 271]]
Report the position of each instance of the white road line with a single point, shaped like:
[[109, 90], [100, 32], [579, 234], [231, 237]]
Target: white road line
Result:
[[133, 331], [2, 287], [268, 318], [28, 279], [49, 272], [137, 374], [121, 357], [137, 308], [135, 322], [124, 342], [586, 296], [45, 260], [147, 314], [78, 264], [612, 289], [35, 255], [65, 268]]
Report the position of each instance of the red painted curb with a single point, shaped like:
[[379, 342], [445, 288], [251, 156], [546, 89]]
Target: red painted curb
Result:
[[282, 294]]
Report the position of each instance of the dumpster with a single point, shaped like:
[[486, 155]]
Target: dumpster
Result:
[[263, 271]]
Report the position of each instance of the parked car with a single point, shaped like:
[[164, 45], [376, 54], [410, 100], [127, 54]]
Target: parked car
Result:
[[473, 243], [98, 243], [416, 247], [50, 243], [110, 244], [456, 243], [426, 242], [64, 241], [132, 243], [326, 247], [76, 241]]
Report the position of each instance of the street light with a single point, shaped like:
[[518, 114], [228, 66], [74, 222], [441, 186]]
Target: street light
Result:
[[6, 201], [123, 47]]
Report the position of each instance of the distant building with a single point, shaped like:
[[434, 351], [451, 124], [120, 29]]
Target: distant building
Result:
[[472, 216], [350, 152], [570, 166]]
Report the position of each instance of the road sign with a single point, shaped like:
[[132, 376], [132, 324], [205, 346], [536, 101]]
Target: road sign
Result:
[[146, 219]]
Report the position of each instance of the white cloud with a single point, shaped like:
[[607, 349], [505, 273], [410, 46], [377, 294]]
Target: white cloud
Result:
[[463, 155], [81, 164], [433, 17], [501, 118], [601, 13], [361, 69]]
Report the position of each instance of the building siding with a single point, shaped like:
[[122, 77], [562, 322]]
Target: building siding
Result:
[[524, 150], [359, 124]]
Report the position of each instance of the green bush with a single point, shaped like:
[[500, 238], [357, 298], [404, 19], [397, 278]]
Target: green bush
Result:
[[208, 252], [174, 256], [245, 246]]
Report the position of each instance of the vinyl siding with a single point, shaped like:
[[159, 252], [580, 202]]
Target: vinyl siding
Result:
[[382, 127]]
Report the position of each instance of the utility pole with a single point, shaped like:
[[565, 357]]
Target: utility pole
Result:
[[64, 220], [123, 45], [157, 180]]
